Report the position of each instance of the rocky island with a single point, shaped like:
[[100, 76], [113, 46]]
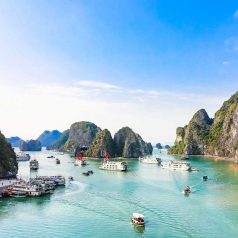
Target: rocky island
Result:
[[96, 142], [47, 138], [206, 136], [31, 145], [8, 163]]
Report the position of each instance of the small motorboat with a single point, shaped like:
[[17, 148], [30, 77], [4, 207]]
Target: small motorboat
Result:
[[194, 169], [51, 156], [185, 158], [90, 171], [86, 173], [57, 161], [71, 178], [187, 191], [205, 177], [138, 219]]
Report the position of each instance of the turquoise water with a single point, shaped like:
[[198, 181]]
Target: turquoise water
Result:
[[101, 205]]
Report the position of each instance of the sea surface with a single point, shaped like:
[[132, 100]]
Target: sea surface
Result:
[[101, 205]]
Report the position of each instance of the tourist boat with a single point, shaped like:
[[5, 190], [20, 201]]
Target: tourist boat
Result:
[[187, 191], [23, 189], [205, 177], [86, 173], [47, 186], [71, 178], [21, 156], [57, 161], [57, 180], [90, 171], [176, 165], [80, 161], [138, 219], [34, 164], [150, 160]]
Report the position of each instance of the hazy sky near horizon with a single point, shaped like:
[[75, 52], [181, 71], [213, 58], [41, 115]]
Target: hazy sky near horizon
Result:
[[149, 65]]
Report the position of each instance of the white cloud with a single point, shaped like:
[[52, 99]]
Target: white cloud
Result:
[[96, 84]]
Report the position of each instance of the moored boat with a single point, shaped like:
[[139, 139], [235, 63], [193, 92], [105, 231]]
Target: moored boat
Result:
[[79, 161], [205, 177], [57, 161], [138, 219]]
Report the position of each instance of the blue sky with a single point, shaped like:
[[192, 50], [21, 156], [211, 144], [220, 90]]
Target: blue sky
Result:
[[140, 63]]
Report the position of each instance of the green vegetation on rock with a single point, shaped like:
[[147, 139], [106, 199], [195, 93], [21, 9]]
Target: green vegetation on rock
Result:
[[8, 163]]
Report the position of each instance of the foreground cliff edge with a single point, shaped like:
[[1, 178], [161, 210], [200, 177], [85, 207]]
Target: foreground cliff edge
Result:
[[206, 136], [8, 163]]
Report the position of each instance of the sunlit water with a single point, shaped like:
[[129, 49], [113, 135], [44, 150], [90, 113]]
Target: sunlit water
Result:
[[101, 205]]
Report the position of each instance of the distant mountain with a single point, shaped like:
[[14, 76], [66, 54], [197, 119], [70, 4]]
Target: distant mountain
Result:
[[59, 144], [47, 138], [158, 146], [31, 145], [15, 141]]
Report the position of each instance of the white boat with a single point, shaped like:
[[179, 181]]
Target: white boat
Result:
[[57, 180], [138, 219], [80, 162], [21, 156], [34, 164], [114, 166], [176, 165], [150, 160]]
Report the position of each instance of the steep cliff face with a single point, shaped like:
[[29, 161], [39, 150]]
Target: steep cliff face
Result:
[[8, 163], [193, 138], [224, 131], [102, 143], [59, 144], [212, 137], [81, 134], [31, 145], [130, 145], [47, 138]]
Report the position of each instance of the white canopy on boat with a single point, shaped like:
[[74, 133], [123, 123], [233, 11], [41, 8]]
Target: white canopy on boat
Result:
[[137, 215]]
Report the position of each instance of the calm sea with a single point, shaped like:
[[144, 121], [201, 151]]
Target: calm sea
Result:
[[101, 205]]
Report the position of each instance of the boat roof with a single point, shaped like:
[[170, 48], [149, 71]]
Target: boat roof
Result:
[[137, 215]]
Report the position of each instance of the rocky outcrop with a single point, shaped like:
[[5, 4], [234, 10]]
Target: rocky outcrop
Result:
[[47, 138], [217, 137], [15, 141], [130, 145], [8, 163], [59, 144], [158, 146], [102, 143], [193, 138], [31, 145], [81, 134], [167, 147]]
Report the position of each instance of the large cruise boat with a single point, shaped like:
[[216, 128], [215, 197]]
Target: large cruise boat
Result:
[[150, 160], [113, 165], [21, 156], [176, 165]]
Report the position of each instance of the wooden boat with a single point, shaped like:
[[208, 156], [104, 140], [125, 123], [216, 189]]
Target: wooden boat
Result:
[[187, 191]]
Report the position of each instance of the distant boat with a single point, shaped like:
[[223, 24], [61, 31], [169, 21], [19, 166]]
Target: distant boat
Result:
[[34, 164], [79, 160], [205, 177], [21, 156], [113, 165], [185, 158], [51, 156], [176, 165], [57, 161], [150, 160]]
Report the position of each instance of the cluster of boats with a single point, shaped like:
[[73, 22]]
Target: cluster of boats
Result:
[[36, 187]]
